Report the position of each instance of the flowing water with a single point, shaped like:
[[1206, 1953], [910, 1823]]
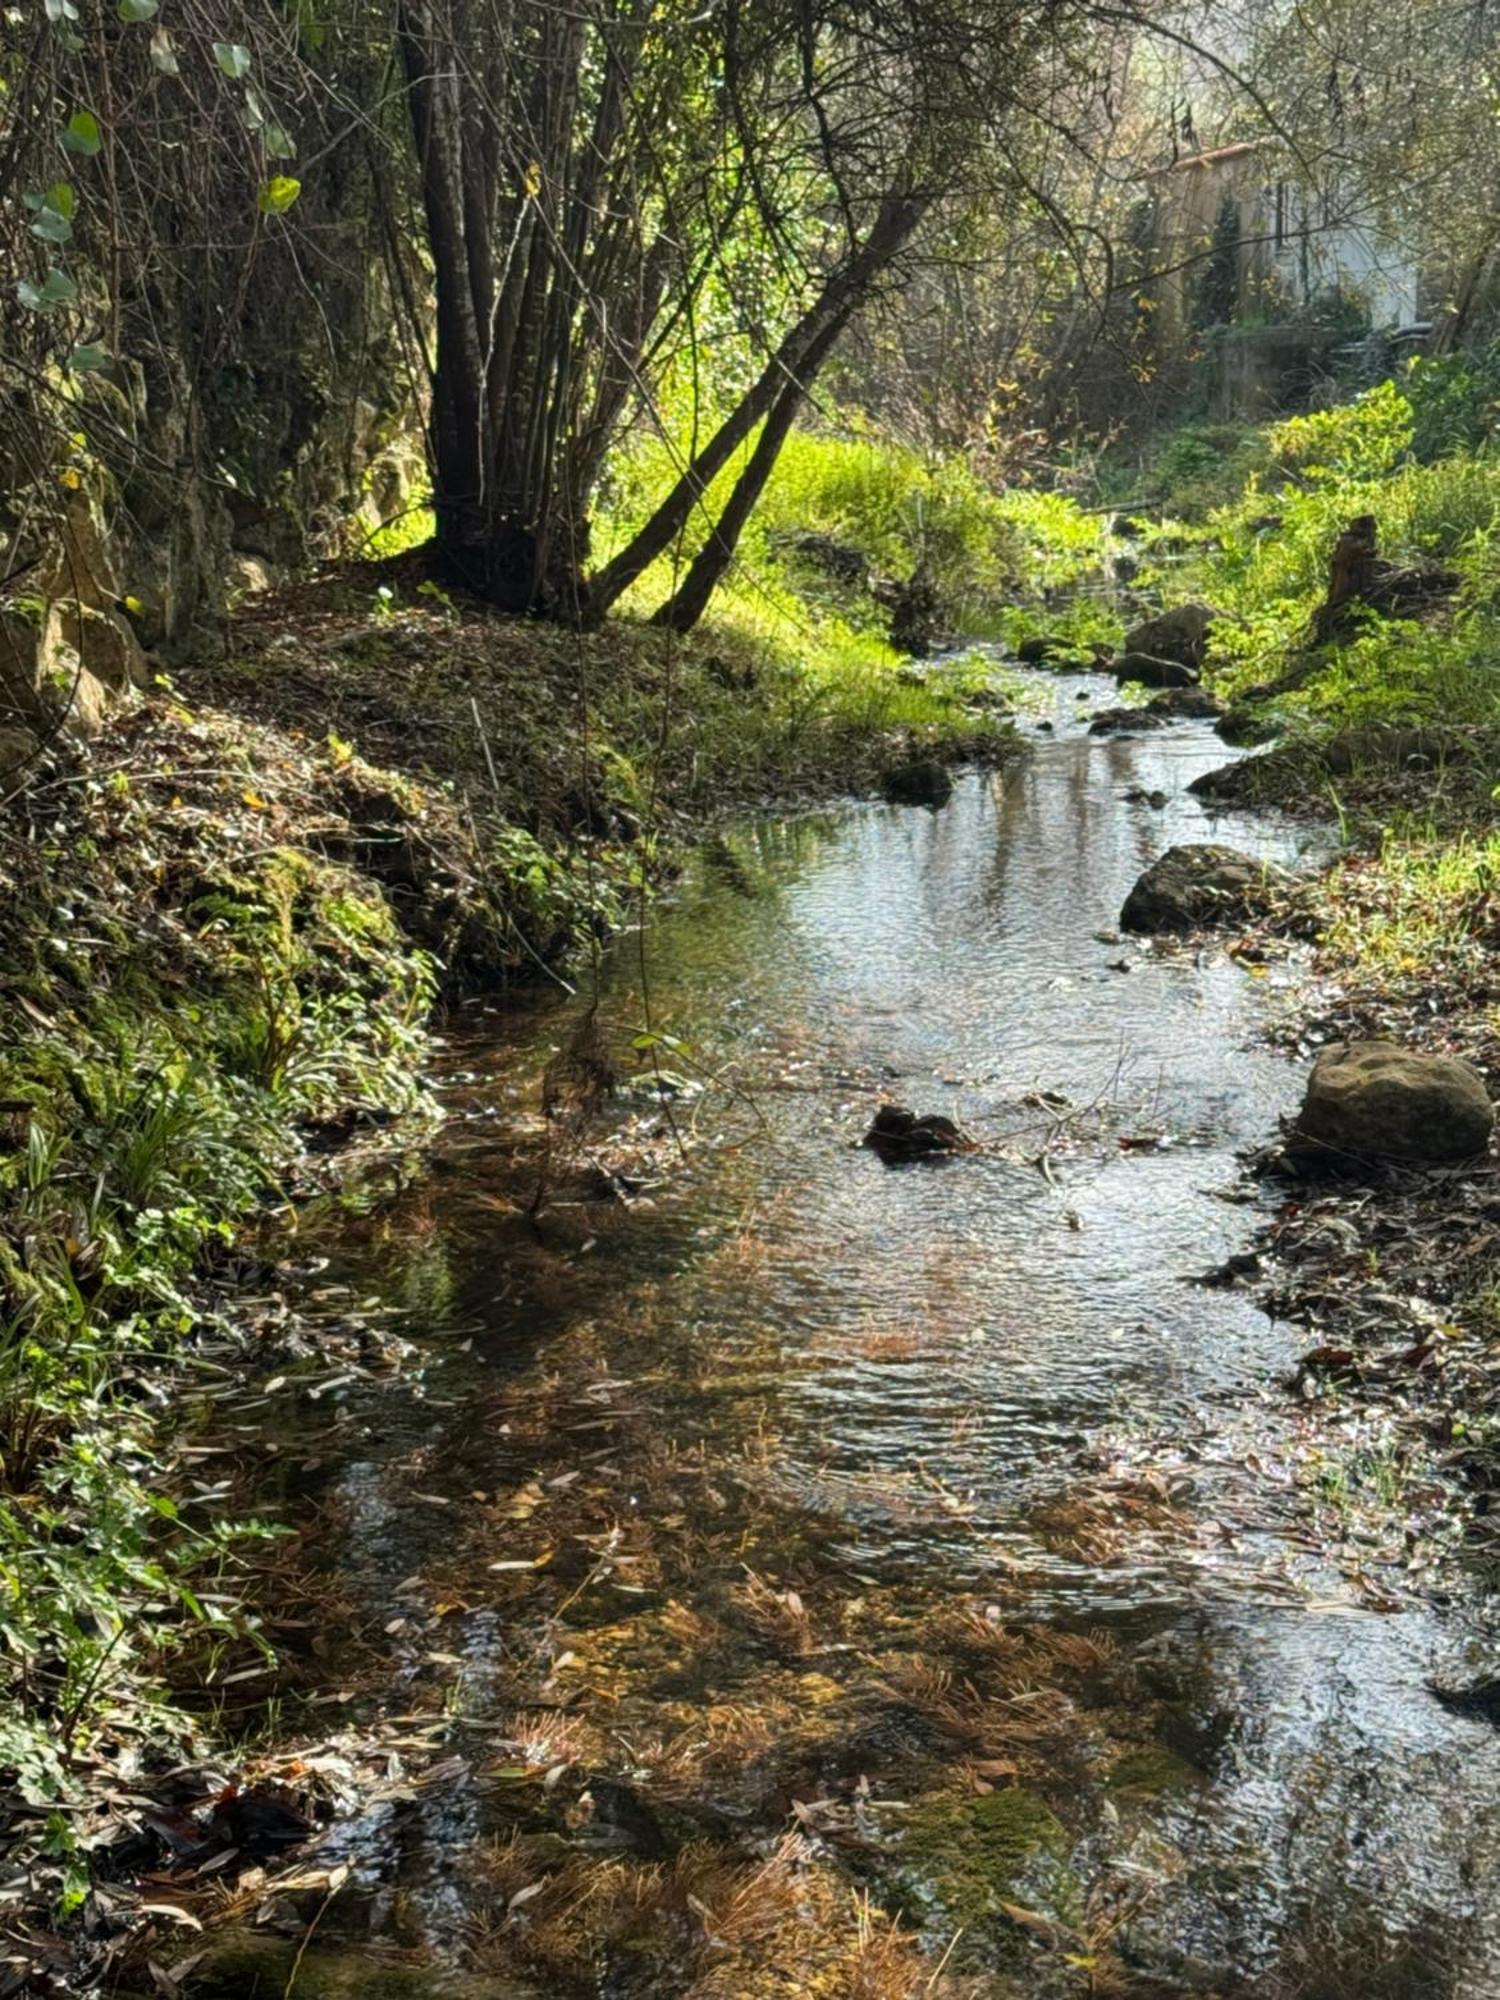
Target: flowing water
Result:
[[811, 1524]]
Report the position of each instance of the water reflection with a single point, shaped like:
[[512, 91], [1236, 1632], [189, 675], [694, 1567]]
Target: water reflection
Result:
[[799, 1486]]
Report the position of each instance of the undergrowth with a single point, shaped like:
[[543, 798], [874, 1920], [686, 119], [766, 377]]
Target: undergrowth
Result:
[[187, 994]]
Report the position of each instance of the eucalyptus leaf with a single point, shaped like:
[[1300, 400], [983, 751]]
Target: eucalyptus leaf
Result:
[[233, 58]]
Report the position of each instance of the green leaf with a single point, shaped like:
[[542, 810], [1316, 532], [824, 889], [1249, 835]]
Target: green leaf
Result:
[[254, 112], [138, 10], [81, 134], [88, 359], [51, 224], [163, 55], [61, 10], [56, 289], [278, 142], [233, 58], [278, 194]]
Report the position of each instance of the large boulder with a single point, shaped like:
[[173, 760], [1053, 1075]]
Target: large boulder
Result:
[[1369, 1102], [1191, 888], [1152, 672], [1180, 634]]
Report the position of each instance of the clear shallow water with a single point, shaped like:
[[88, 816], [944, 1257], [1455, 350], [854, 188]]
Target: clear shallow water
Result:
[[921, 1389]]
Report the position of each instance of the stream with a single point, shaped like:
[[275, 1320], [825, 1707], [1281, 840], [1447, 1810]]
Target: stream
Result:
[[800, 1530]]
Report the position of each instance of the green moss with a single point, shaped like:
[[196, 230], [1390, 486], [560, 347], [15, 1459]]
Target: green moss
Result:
[[1149, 1769], [249, 1968], [972, 1853]]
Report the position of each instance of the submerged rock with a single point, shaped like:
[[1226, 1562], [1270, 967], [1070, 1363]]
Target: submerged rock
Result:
[[1150, 671], [1192, 887], [921, 782], [1376, 1101], [1180, 634], [1125, 721], [898, 1135]]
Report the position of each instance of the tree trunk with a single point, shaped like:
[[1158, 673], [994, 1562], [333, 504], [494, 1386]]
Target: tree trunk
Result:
[[686, 606], [792, 368]]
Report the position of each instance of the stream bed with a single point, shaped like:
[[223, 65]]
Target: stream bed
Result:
[[811, 1574]]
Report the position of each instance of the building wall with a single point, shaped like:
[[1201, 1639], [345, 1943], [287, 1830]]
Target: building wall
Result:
[[1288, 254]]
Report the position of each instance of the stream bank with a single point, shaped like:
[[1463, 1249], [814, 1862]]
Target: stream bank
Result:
[[807, 1576], [224, 932]]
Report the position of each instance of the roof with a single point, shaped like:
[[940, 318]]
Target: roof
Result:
[[1215, 157]]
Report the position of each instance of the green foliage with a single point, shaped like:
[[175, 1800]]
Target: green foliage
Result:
[[1455, 401], [1198, 467], [1362, 439], [149, 1113], [896, 508]]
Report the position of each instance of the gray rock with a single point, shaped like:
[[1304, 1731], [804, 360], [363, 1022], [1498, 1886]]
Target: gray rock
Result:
[[1152, 672], [1375, 1101], [1191, 888], [1180, 634]]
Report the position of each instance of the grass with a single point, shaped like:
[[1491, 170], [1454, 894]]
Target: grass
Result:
[[188, 996]]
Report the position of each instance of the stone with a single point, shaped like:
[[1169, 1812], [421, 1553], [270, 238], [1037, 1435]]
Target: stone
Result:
[[921, 782], [45, 688], [1152, 672], [17, 748], [1191, 888], [1034, 651], [105, 644], [897, 1134], [1186, 704], [247, 576], [79, 567], [1180, 634], [1125, 721], [1372, 1102]]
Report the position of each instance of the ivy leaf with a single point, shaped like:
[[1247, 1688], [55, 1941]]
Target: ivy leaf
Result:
[[278, 142], [278, 194], [56, 289], [54, 213], [233, 58], [81, 134], [163, 55], [88, 359]]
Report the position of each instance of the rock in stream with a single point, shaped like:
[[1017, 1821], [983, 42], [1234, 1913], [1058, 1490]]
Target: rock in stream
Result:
[[1371, 1102]]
